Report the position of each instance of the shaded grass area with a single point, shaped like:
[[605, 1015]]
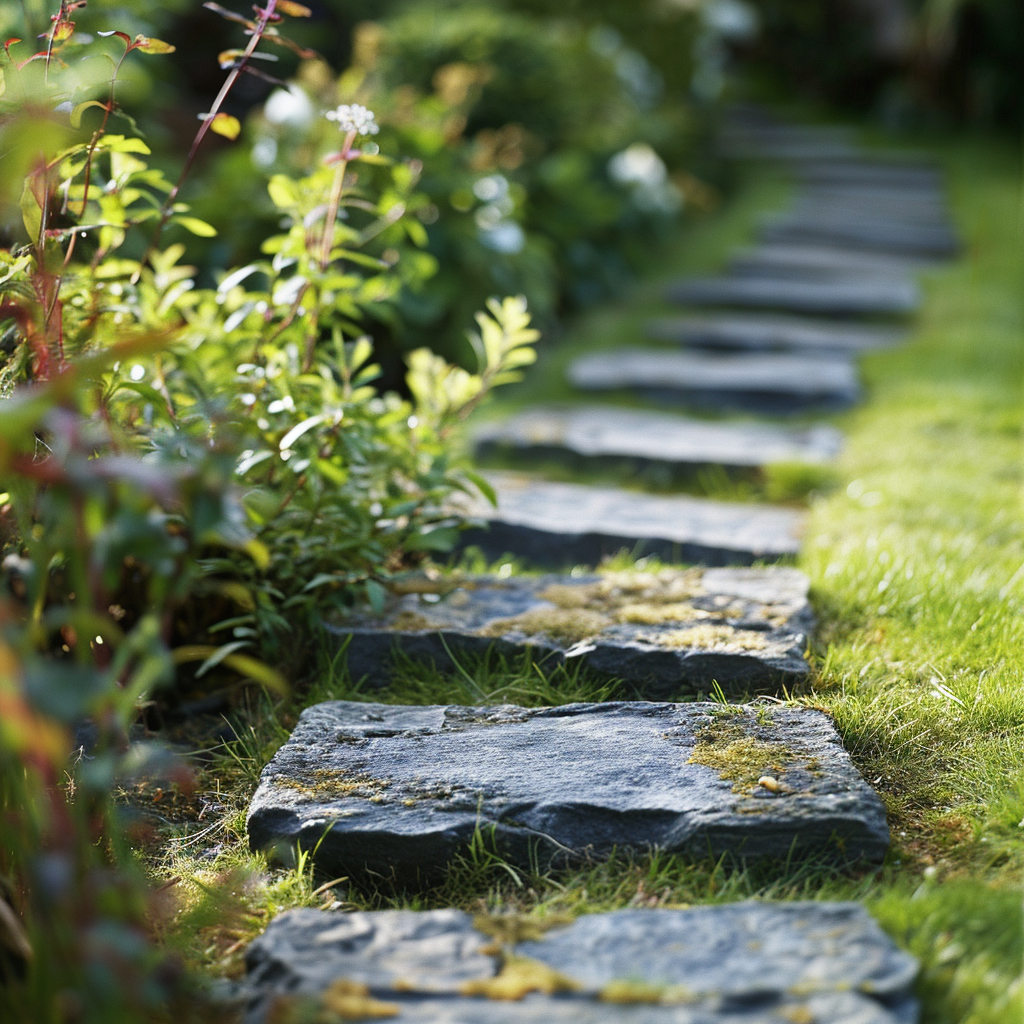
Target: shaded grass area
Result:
[[917, 568]]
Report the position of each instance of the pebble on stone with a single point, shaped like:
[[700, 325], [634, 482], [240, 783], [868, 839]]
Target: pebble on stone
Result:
[[778, 383], [599, 434], [759, 332], [837, 297], [668, 633], [401, 791], [739, 963], [561, 525]]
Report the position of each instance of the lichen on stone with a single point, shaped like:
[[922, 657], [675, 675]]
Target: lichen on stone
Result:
[[518, 977], [635, 991], [568, 625], [739, 757], [351, 1000], [659, 614], [329, 784], [708, 637]]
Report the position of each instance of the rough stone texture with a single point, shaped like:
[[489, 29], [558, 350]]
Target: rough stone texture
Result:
[[838, 297], [741, 963], [605, 433], [771, 383], [881, 235], [761, 332], [822, 260], [403, 790], [561, 524], [669, 633]]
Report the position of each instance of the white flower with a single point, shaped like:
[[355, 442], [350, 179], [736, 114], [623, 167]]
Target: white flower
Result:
[[637, 165], [351, 117]]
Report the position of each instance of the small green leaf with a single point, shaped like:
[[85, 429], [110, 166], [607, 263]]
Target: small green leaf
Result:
[[196, 226], [76, 114]]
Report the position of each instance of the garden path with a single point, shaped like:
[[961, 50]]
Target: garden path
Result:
[[404, 789]]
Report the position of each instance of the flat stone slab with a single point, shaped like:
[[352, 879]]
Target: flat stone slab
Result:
[[839, 297], [771, 382], [912, 214], [739, 963], [562, 524], [764, 332], [863, 233], [823, 260], [669, 633], [596, 434], [403, 790], [917, 178]]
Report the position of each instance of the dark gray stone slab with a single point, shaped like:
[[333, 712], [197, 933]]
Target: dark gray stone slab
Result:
[[824, 261], [760, 332], [874, 174], [898, 198], [597, 434], [669, 633], [839, 297], [741, 963], [772, 382], [402, 791], [562, 524], [931, 215], [882, 235]]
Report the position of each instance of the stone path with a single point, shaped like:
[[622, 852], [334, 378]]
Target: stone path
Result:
[[767, 332], [565, 524], [399, 791], [671, 632], [779, 383], [748, 963], [402, 791], [596, 435]]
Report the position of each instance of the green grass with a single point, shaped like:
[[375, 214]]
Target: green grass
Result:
[[917, 567]]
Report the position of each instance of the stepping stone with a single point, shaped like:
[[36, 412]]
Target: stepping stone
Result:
[[403, 790], [892, 176], [668, 633], [863, 233], [739, 963], [899, 198], [822, 260], [896, 210], [562, 524], [771, 383], [857, 296], [605, 434], [763, 332]]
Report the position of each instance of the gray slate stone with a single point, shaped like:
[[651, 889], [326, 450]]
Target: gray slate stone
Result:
[[562, 524], [912, 214], [402, 791], [892, 176], [824, 261], [838, 297], [669, 634], [772, 383], [763, 332], [881, 235], [740, 963], [598, 434]]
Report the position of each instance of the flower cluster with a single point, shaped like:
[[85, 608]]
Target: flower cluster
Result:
[[352, 117]]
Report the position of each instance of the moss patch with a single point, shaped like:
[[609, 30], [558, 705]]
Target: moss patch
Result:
[[325, 784], [706, 636], [738, 756]]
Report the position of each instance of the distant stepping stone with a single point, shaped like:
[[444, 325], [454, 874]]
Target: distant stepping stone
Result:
[[668, 634], [739, 963], [605, 434], [402, 790], [822, 260], [878, 234], [882, 196], [898, 211], [562, 524], [864, 173], [845, 297], [771, 383], [759, 332]]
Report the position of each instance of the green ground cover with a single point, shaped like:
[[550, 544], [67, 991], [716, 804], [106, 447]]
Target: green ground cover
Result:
[[916, 558]]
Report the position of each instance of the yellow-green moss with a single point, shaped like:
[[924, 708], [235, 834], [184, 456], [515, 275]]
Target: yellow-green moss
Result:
[[568, 625], [327, 784], [707, 636], [739, 757]]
